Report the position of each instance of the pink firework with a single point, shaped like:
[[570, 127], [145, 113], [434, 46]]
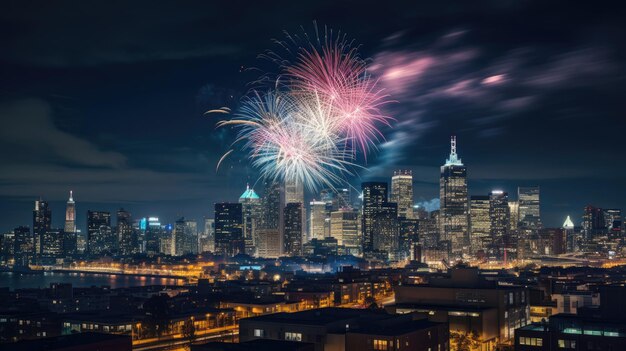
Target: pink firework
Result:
[[335, 73]]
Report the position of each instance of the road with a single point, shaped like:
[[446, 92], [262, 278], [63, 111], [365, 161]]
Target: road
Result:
[[178, 341]]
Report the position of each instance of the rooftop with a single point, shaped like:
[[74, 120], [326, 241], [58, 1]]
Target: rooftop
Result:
[[64, 342]]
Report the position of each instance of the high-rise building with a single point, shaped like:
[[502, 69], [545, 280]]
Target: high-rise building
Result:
[[294, 192], [385, 229], [251, 207], [317, 220], [229, 239], [70, 237], [7, 248], [593, 222], [179, 238], [271, 219], [191, 235], [402, 192], [207, 242], [480, 223], [24, 246], [528, 200], [374, 198], [408, 235], [344, 226], [100, 238], [125, 233], [500, 221], [293, 229], [613, 222], [42, 219], [514, 213], [153, 235], [52, 243], [454, 213]]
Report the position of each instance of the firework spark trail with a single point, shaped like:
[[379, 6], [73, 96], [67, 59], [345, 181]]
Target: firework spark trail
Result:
[[321, 111]]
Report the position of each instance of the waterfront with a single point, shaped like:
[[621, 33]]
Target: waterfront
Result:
[[22, 281]]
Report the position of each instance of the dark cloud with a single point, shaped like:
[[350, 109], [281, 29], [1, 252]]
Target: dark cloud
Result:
[[108, 97]]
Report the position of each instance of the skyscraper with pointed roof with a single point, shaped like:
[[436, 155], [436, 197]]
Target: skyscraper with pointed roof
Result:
[[453, 218], [251, 211]]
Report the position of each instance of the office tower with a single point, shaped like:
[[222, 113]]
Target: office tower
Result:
[[374, 198], [70, 239], [453, 216], [344, 226], [500, 221], [7, 247], [293, 229], [178, 238], [342, 198], [271, 219], [24, 246], [52, 243], [100, 238], [593, 222], [191, 236], [514, 213], [428, 230], [529, 207], [207, 242], [402, 192], [251, 207], [613, 222], [385, 229], [317, 219], [152, 235], [294, 192], [42, 219], [571, 240], [408, 235], [229, 239], [480, 223], [125, 233]]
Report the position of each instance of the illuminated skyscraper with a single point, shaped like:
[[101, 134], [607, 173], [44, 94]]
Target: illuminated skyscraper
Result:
[[185, 237], [251, 207], [42, 218], [593, 222], [207, 242], [453, 216], [70, 240], [408, 235], [293, 229], [374, 197], [317, 211], [100, 238], [52, 243], [270, 228], [480, 223], [529, 207], [500, 221], [514, 212], [402, 192], [153, 235], [24, 246], [229, 239], [344, 226], [125, 233], [294, 192]]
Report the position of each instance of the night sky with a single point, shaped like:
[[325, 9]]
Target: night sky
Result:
[[107, 98]]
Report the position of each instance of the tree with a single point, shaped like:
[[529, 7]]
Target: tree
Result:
[[464, 341]]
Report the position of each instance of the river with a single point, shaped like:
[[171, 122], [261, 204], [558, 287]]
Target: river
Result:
[[22, 281]]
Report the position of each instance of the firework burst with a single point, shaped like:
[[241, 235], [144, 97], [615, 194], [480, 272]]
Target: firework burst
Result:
[[322, 110]]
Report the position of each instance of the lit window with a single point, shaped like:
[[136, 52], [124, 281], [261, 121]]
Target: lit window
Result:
[[259, 333], [380, 344], [293, 336]]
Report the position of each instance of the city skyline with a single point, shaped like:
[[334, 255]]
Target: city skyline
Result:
[[126, 129]]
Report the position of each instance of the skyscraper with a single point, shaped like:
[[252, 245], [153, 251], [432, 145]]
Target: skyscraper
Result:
[[529, 207], [385, 229], [52, 243], [294, 192], [207, 242], [251, 207], [408, 237], [179, 239], [42, 219], [374, 197], [480, 223], [270, 228], [24, 246], [344, 226], [229, 239], [293, 229], [153, 235], [100, 238], [70, 240], [317, 212], [402, 192], [500, 221], [453, 216], [125, 233], [593, 222]]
